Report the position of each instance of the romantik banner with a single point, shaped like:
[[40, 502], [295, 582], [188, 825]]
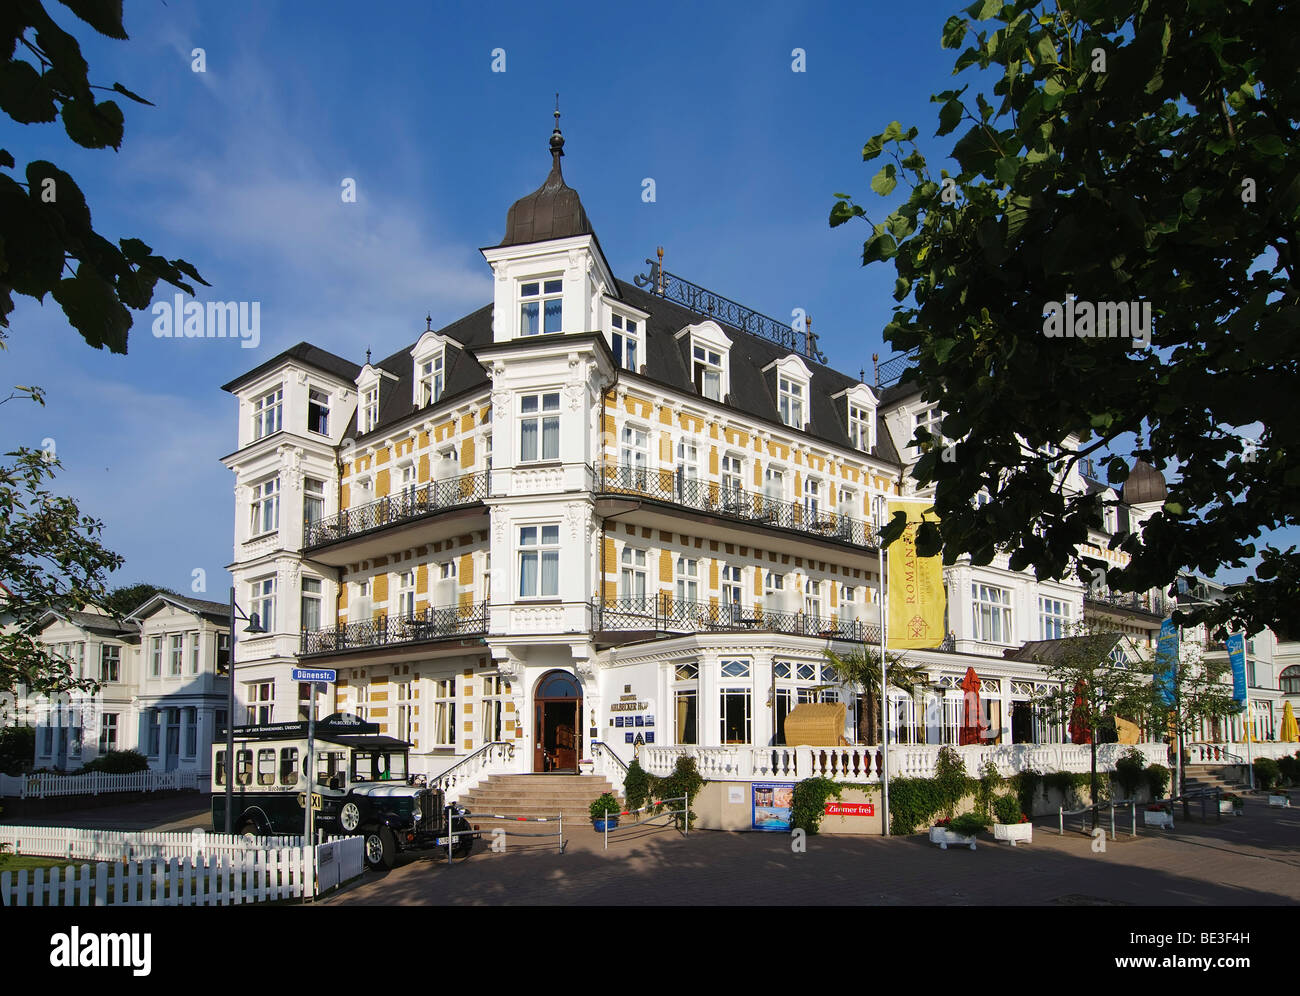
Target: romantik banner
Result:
[[917, 597]]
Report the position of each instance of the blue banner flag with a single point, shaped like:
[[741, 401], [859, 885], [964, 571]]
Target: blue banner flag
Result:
[[1167, 662], [1237, 658]]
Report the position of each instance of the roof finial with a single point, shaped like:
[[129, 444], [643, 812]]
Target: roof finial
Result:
[[367, 356], [428, 323], [557, 139]]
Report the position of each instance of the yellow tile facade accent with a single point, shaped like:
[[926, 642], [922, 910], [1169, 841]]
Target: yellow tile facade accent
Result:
[[467, 453], [422, 579], [665, 566], [381, 483], [422, 469]]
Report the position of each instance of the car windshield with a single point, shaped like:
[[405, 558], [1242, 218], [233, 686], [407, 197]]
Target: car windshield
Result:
[[329, 766], [378, 766]]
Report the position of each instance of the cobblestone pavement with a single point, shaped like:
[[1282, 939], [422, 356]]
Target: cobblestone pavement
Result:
[[1249, 860]]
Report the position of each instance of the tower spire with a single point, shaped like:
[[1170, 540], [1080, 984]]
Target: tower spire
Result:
[[557, 139]]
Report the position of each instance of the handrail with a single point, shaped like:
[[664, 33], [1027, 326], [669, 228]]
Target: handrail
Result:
[[400, 506], [667, 485], [609, 751], [436, 780]]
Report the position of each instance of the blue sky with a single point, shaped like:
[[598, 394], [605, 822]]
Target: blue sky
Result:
[[238, 169]]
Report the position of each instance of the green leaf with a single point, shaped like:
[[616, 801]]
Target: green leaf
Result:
[[105, 16], [954, 30], [1269, 145], [875, 145], [133, 96], [842, 212], [884, 182], [92, 307], [1006, 169], [94, 126], [24, 94], [949, 116]]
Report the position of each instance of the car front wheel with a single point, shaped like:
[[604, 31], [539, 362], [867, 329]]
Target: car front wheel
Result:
[[381, 848], [349, 817]]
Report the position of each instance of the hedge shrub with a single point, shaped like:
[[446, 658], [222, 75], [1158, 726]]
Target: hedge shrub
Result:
[[1157, 776], [809, 802], [1128, 771], [1267, 772], [118, 762]]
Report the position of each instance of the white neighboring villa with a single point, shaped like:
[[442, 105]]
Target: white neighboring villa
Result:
[[162, 685]]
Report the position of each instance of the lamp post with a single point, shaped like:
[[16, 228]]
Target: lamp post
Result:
[[253, 627]]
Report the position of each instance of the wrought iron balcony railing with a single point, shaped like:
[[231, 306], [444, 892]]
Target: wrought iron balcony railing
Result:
[[733, 503], [448, 622], [663, 613], [401, 506], [1154, 605]]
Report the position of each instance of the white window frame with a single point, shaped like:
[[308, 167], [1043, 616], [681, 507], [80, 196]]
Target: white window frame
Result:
[[707, 359], [792, 400], [686, 577], [263, 598], [318, 410], [196, 651], [432, 378], [442, 712], [316, 595], [544, 294], [861, 427], [634, 575], [532, 542], [405, 588], [266, 506], [155, 656], [625, 342], [369, 411], [1055, 617], [541, 417], [268, 413], [929, 418], [991, 615]]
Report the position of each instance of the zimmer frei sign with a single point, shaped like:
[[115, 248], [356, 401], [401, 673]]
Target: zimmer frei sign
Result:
[[917, 598]]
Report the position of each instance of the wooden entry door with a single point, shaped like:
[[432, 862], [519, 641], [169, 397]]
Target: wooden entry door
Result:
[[557, 723]]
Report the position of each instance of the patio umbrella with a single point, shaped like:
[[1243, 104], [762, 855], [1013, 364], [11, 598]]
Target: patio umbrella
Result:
[[970, 712], [1079, 732], [1290, 729]]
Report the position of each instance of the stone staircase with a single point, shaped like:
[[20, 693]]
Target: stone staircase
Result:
[[1228, 777], [537, 795]]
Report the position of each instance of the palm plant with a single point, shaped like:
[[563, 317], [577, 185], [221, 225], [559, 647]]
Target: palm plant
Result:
[[860, 671]]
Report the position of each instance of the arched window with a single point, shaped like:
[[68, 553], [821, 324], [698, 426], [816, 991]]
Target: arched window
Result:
[[1290, 680], [558, 685]]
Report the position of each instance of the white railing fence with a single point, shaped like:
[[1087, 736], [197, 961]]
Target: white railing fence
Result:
[[605, 762], [254, 875], [1236, 753], [47, 785], [863, 763], [117, 845]]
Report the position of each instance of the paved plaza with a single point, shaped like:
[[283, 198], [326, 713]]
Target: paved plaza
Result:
[[1252, 860]]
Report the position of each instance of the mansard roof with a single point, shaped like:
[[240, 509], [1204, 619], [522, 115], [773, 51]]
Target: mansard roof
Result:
[[303, 354]]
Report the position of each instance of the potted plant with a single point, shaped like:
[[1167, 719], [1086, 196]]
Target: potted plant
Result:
[[1010, 824], [1231, 804], [958, 830], [605, 804], [1158, 815]]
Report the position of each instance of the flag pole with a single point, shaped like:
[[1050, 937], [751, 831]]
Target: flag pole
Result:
[[884, 684]]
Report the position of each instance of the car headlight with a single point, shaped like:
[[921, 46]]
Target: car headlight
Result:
[[417, 814]]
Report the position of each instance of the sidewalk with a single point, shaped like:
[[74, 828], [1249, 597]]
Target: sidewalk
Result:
[[1251, 860]]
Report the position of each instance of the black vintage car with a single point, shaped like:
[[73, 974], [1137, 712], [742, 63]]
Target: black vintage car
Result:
[[361, 786]]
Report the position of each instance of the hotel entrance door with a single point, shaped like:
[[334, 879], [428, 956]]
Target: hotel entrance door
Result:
[[557, 723]]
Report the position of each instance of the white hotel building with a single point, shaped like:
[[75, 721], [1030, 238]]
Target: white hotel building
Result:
[[597, 516]]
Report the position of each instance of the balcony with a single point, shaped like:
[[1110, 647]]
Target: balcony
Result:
[[433, 498], [449, 622], [1156, 606], [752, 508], [662, 613]]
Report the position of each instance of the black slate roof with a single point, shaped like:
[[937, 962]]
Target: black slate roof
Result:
[[667, 362], [304, 353]]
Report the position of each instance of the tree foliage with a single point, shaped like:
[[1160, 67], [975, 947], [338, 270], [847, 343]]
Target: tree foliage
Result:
[[48, 245], [51, 560], [1119, 151]]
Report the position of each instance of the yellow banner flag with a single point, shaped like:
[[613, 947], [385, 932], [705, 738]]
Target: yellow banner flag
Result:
[[917, 597]]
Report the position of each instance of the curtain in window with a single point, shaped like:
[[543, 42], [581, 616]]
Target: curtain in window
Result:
[[553, 310], [551, 572], [528, 573], [550, 439], [528, 440]]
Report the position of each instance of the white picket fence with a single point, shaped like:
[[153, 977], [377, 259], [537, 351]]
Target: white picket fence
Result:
[[118, 845], [214, 879], [47, 785]]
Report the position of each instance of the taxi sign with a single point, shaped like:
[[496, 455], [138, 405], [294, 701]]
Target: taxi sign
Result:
[[315, 674], [317, 803]]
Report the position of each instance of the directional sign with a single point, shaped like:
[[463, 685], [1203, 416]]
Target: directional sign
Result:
[[315, 674]]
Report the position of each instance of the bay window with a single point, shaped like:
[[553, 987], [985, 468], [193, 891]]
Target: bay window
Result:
[[266, 506], [992, 613], [540, 306], [539, 561], [268, 413], [539, 427]]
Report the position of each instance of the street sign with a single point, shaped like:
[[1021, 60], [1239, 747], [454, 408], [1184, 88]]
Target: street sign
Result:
[[315, 674]]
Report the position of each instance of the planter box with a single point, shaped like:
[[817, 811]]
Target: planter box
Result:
[[1014, 832], [602, 825], [1280, 801], [1229, 808], [944, 837], [1151, 819]]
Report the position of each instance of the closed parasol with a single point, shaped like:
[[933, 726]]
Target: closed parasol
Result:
[[1290, 732], [1079, 729], [970, 713]]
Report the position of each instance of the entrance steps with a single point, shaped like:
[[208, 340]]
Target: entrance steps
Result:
[[538, 795], [1228, 777]]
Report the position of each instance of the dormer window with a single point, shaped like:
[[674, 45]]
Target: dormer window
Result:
[[268, 413], [625, 342], [860, 434], [791, 394], [707, 372], [431, 380], [370, 408], [318, 411], [928, 419], [540, 309]]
